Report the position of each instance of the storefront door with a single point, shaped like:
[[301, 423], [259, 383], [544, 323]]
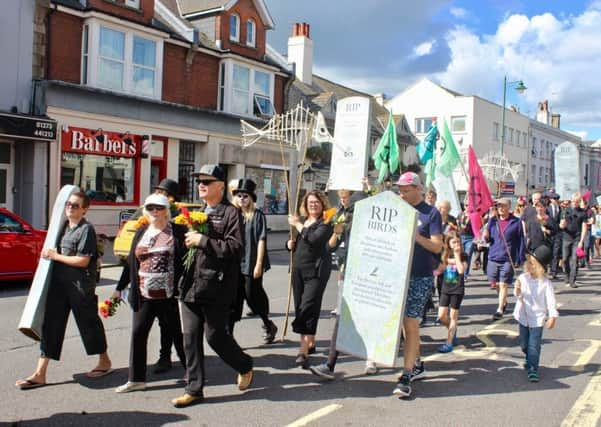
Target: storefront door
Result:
[[6, 175]]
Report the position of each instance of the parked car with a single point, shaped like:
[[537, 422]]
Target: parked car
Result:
[[126, 233], [20, 247]]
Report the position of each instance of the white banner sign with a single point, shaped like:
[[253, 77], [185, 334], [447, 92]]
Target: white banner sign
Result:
[[567, 170], [377, 278], [351, 144], [445, 190]]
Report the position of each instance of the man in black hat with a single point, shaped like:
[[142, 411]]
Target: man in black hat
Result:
[[554, 213], [208, 289]]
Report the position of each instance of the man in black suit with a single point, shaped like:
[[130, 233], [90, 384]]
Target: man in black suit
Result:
[[554, 212]]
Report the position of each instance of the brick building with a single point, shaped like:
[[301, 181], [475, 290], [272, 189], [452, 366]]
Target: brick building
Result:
[[147, 89]]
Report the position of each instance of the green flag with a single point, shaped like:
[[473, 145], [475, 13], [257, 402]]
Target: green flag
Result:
[[430, 171], [449, 158], [386, 156]]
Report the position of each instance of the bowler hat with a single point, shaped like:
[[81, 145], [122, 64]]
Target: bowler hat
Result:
[[170, 186], [543, 254], [246, 186], [211, 172]]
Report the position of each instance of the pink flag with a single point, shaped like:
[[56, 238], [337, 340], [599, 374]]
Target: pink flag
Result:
[[587, 195], [479, 200]]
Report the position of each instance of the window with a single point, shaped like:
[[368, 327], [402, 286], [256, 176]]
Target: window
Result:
[[533, 174], [458, 124], [133, 3], [517, 137], [495, 131], [251, 33], [271, 192], [534, 147], [111, 60], [144, 60], [104, 178], [541, 172], [245, 91], [186, 169], [423, 124], [84, 55], [235, 28], [510, 136], [117, 59]]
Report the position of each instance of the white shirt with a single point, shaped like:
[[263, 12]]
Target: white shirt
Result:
[[537, 298]]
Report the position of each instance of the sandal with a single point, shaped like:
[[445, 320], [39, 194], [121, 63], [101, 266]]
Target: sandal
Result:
[[97, 372], [29, 384]]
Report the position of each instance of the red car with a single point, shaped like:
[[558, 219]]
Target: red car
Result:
[[20, 247]]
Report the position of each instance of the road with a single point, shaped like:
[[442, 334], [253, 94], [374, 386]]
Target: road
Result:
[[481, 383]]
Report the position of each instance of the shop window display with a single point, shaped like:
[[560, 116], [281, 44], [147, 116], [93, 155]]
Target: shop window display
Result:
[[272, 197]]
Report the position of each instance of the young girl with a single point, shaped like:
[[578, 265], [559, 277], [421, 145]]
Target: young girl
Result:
[[453, 288], [535, 299]]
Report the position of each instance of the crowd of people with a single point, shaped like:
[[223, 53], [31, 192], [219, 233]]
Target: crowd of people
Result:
[[230, 257]]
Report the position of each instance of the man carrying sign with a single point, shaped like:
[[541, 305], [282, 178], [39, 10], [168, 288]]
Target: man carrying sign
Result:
[[428, 243]]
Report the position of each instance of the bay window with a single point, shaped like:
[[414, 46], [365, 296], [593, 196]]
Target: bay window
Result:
[[122, 60], [245, 90]]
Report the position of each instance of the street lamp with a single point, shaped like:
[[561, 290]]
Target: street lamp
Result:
[[520, 88]]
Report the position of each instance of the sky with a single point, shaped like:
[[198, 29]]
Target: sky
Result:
[[383, 46]]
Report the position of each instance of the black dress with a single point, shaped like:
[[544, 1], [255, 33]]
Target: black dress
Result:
[[311, 270]]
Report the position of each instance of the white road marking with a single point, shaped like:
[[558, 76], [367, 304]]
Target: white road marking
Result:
[[586, 356], [315, 415], [586, 412]]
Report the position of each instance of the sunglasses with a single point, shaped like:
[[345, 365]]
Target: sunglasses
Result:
[[72, 205], [154, 208], [242, 196], [204, 181]]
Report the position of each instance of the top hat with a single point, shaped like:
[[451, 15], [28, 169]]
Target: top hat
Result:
[[246, 186], [170, 186], [543, 254]]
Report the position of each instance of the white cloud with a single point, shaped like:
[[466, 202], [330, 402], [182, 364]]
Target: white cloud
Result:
[[458, 12], [558, 58], [424, 48]]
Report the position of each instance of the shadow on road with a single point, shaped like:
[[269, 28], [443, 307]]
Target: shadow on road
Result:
[[128, 418]]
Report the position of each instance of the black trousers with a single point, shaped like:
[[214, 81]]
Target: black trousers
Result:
[[80, 298], [570, 261], [557, 255], [196, 318], [170, 336], [308, 286], [163, 309], [252, 291]]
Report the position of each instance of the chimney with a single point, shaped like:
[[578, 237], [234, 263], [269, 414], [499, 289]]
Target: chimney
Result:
[[300, 52], [542, 115], [555, 118]]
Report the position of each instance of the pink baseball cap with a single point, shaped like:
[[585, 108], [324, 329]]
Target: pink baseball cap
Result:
[[409, 178]]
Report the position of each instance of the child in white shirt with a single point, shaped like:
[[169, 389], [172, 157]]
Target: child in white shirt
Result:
[[535, 300]]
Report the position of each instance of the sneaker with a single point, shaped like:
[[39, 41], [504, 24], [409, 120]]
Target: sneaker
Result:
[[162, 365], [334, 312], [270, 330], [131, 386], [445, 348], [302, 361], [573, 285], [455, 339], [497, 316], [418, 372], [370, 367], [244, 380], [403, 387], [532, 377], [323, 371]]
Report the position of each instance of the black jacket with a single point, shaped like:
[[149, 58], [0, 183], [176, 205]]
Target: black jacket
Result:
[[130, 270], [213, 278]]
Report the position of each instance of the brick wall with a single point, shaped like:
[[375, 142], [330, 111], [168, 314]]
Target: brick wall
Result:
[[246, 10], [117, 8], [65, 47], [278, 94], [190, 78]]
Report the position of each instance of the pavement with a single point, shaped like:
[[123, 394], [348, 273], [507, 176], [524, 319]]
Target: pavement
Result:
[[481, 383]]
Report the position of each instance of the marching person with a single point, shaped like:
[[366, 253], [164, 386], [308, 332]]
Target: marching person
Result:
[[154, 267], [312, 265], [255, 260], [540, 229], [574, 227], [505, 233], [554, 213], [208, 289], [535, 300], [428, 244], [72, 288]]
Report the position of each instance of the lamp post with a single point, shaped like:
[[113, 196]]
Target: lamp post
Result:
[[520, 88]]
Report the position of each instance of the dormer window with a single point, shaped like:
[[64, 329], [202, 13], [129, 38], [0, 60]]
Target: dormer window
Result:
[[251, 33], [235, 27]]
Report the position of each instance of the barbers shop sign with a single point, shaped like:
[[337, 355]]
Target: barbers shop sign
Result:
[[98, 142]]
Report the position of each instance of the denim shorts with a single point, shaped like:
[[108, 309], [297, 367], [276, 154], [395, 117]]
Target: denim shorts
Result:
[[420, 291], [499, 272]]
